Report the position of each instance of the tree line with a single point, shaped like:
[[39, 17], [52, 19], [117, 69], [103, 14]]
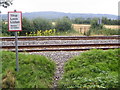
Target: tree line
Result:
[[104, 20], [28, 26], [61, 25]]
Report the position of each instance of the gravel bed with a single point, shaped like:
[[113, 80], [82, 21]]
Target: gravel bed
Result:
[[88, 47], [60, 57], [48, 42]]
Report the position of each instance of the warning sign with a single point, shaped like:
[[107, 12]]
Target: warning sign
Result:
[[15, 21]]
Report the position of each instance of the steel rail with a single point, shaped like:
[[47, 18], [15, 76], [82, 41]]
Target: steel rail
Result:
[[46, 50], [59, 38], [61, 45]]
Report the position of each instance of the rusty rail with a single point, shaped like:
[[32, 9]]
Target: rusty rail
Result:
[[59, 38]]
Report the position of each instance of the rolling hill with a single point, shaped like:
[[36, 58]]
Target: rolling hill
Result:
[[55, 15]]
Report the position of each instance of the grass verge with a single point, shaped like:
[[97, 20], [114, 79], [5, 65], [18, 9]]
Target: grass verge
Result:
[[92, 69], [35, 71]]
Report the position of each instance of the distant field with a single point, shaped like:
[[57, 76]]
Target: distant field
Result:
[[85, 27], [112, 26], [81, 27]]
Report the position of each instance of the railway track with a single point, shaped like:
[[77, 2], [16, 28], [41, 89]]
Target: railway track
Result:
[[59, 38], [41, 50], [61, 47], [49, 45], [65, 47]]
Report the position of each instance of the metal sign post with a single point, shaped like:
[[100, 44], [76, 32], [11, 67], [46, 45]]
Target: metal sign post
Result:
[[16, 47], [15, 24]]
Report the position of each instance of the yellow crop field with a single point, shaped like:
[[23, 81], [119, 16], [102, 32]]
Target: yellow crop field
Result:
[[112, 26], [85, 27], [81, 27]]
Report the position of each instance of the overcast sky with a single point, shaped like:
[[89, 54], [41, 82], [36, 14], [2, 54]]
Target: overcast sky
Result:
[[67, 6]]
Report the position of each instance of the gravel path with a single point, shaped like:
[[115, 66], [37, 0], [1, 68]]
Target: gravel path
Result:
[[60, 57]]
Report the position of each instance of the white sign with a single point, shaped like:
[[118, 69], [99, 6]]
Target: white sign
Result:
[[15, 21]]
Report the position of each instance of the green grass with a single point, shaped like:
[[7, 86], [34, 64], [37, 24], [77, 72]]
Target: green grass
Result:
[[68, 33], [35, 71], [103, 31], [92, 69]]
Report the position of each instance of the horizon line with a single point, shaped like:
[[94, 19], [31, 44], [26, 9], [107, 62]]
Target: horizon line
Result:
[[69, 12]]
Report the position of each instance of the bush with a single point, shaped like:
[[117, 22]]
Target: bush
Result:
[[35, 71], [92, 69]]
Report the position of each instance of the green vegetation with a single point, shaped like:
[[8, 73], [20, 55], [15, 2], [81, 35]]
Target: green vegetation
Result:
[[35, 71], [33, 26], [103, 31], [81, 20], [105, 21], [27, 26], [52, 32], [64, 24], [92, 69], [99, 29], [5, 30], [68, 33], [41, 24], [96, 25]]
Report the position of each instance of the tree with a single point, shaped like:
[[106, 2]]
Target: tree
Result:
[[5, 29], [42, 24], [5, 4], [81, 20], [27, 26], [78, 21], [95, 25], [63, 24], [107, 21]]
